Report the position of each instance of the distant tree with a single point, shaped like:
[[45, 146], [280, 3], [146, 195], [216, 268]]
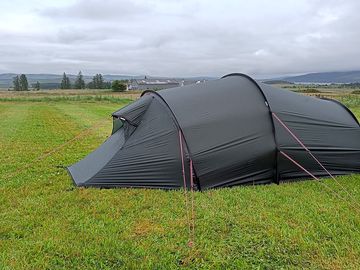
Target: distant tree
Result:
[[79, 82], [24, 85], [98, 81], [118, 86], [90, 85], [37, 86], [107, 85], [65, 82], [16, 83]]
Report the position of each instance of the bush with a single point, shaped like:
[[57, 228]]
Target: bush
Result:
[[118, 86], [355, 92], [307, 90]]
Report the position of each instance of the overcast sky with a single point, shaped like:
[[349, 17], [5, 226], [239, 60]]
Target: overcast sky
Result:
[[179, 37]]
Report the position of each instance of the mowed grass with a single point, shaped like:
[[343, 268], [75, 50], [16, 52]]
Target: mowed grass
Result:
[[47, 223]]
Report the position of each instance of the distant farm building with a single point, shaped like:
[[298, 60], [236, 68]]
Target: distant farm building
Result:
[[153, 84]]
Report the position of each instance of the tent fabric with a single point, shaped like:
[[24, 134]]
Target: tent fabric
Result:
[[148, 158], [88, 167], [132, 114], [228, 132], [230, 139], [325, 127]]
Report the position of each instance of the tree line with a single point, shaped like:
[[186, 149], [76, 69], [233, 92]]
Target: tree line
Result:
[[97, 82], [20, 83]]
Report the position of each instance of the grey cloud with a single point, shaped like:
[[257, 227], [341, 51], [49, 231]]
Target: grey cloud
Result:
[[97, 10], [73, 35], [185, 38]]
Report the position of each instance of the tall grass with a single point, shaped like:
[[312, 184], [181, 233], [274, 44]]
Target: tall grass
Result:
[[351, 101]]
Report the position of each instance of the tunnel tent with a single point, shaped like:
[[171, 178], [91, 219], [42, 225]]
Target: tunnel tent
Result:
[[230, 129]]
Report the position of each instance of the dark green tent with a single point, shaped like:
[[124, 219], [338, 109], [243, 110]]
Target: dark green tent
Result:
[[232, 130]]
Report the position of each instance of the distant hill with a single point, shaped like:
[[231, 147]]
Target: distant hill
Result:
[[52, 81], [325, 77]]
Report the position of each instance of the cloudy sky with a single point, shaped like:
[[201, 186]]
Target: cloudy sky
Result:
[[179, 37]]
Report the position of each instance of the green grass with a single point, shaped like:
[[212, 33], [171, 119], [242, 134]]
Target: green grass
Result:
[[47, 223], [353, 102]]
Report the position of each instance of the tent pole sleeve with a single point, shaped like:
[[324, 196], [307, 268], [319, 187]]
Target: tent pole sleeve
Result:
[[276, 166], [156, 94], [182, 159]]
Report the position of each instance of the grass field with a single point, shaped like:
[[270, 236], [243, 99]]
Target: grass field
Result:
[[47, 223]]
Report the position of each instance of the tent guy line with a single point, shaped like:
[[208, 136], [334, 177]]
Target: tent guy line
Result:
[[348, 193]]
